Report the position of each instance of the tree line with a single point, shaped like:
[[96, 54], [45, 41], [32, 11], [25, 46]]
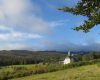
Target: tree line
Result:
[[88, 56], [15, 57]]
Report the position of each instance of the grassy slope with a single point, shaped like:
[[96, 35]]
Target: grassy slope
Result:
[[90, 72], [10, 68]]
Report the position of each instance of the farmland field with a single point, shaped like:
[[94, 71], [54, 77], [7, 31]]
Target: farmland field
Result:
[[89, 72]]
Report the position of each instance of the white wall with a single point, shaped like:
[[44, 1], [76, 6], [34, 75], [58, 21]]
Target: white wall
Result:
[[67, 60]]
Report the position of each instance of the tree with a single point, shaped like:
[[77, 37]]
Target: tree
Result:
[[89, 8], [87, 57]]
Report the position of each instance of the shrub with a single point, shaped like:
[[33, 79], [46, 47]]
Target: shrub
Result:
[[38, 69], [53, 67], [20, 72], [3, 75]]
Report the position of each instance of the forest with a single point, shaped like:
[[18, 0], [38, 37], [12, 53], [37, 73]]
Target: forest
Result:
[[22, 57]]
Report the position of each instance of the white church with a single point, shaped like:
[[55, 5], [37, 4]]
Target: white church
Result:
[[68, 59]]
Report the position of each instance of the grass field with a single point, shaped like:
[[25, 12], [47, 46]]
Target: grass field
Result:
[[90, 72], [10, 68]]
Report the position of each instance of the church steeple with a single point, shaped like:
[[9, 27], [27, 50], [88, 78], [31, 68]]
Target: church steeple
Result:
[[69, 54]]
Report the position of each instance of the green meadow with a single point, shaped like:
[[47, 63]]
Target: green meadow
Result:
[[88, 72], [10, 68]]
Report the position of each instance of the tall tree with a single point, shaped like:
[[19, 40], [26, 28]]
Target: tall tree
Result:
[[89, 8]]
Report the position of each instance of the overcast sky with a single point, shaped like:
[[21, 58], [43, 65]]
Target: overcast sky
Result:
[[38, 25]]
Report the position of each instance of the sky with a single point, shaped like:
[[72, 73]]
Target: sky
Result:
[[37, 25]]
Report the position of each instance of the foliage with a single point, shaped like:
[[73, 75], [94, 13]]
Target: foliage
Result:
[[29, 57], [39, 69], [9, 72], [3, 75], [87, 57], [89, 8], [89, 72]]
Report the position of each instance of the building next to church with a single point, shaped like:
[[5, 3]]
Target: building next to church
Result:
[[69, 58]]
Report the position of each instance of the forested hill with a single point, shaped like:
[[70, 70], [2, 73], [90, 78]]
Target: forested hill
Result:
[[15, 57], [20, 57]]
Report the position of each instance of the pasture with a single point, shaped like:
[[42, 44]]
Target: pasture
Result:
[[89, 72]]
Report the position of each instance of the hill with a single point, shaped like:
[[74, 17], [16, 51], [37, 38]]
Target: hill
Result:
[[20, 57], [89, 72]]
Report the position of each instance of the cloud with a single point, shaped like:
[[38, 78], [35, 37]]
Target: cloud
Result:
[[20, 13], [13, 46], [60, 46], [69, 46], [89, 45], [23, 14], [20, 46], [59, 23], [7, 34], [21, 20], [18, 36], [17, 46]]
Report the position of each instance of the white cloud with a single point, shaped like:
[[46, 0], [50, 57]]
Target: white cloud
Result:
[[23, 14], [20, 20], [14, 47], [10, 34], [18, 46], [18, 36], [59, 23], [6, 29]]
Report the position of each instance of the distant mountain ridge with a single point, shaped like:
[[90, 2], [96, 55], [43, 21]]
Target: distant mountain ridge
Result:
[[27, 53]]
